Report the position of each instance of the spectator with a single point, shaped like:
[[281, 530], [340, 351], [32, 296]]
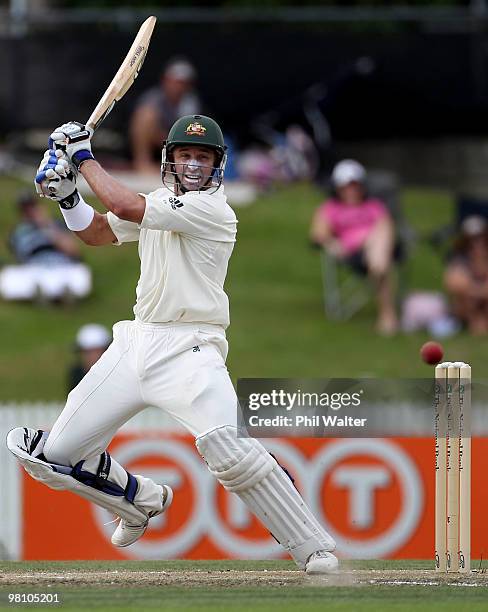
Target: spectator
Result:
[[358, 230], [158, 109], [47, 256], [466, 277], [92, 340]]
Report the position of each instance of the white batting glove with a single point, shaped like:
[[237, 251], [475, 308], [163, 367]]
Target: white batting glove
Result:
[[55, 179], [73, 138]]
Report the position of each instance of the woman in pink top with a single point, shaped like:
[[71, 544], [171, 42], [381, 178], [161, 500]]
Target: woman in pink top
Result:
[[359, 230]]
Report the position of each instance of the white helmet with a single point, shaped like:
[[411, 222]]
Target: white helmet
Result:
[[348, 171]]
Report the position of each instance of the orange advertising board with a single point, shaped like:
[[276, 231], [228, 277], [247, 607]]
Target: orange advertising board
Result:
[[376, 497]]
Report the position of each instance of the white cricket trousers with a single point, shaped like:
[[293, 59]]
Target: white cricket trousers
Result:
[[179, 367]]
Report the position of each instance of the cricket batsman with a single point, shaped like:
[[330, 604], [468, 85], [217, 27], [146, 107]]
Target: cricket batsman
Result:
[[172, 355]]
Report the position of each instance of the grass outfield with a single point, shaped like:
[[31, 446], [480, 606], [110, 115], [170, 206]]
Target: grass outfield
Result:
[[278, 326], [244, 585]]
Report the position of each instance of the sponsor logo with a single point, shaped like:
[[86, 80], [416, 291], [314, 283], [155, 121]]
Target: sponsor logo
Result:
[[175, 203], [196, 129], [136, 55], [375, 483]]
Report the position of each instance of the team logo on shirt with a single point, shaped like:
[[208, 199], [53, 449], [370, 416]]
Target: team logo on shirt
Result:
[[175, 203], [196, 129]]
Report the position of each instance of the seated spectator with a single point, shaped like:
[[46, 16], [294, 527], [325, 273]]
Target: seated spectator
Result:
[[358, 230], [158, 109], [92, 340], [466, 277], [47, 256]]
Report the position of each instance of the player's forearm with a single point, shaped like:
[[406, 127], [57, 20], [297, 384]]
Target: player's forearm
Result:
[[98, 233], [113, 195]]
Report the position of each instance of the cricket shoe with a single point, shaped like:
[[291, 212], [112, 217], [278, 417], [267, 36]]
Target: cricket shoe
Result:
[[322, 562], [126, 533]]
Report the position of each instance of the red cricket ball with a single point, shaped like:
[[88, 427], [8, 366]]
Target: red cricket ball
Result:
[[432, 352]]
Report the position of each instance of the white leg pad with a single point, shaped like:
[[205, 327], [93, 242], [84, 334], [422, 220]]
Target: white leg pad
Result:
[[58, 477], [243, 466]]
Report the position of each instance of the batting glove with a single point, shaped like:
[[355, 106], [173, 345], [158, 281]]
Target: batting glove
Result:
[[74, 138], [56, 180]]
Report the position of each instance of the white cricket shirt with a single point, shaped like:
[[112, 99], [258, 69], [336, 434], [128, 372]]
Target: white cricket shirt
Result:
[[185, 243]]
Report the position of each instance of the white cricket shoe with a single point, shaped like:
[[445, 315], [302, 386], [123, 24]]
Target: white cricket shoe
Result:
[[126, 534], [322, 562]]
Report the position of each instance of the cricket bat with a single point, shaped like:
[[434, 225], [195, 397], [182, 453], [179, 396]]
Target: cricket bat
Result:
[[125, 76]]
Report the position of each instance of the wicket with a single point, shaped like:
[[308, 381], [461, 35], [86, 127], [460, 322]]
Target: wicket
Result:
[[452, 431]]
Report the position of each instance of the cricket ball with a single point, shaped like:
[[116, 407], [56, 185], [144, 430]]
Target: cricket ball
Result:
[[432, 352]]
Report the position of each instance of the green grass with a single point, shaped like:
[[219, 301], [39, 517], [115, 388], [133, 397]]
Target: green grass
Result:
[[278, 326], [210, 565], [295, 599], [285, 598]]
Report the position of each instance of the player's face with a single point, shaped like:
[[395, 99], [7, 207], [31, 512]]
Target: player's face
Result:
[[193, 166]]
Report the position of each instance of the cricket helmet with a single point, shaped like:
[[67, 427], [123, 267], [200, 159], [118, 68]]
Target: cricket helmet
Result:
[[195, 130]]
